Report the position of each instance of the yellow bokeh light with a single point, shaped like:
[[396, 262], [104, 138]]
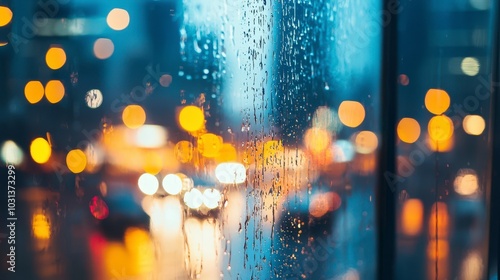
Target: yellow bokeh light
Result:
[[317, 139], [115, 259], [366, 142], [408, 130], [272, 147], [55, 58], [134, 116], [470, 66], [54, 91], [412, 217], [437, 101], [184, 151], [33, 91], [226, 153], [140, 251], [351, 113], [118, 19], [209, 145], [41, 226], [440, 128], [153, 162], [103, 48], [5, 16], [191, 118], [3, 43], [76, 160], [474, 124], [40, 150]]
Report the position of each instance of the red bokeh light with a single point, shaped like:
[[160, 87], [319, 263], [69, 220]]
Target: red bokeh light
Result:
[[98, 208], [404, 80]]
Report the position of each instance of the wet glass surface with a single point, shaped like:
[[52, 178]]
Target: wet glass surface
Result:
[[190, 139], [445, 140]]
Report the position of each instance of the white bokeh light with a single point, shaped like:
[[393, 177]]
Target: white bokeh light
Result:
[[148, 136], [148, 184], [211, 198], [93, 98], [230, 173], [470, 66], [172, 184], [12, 153], [193, 199]]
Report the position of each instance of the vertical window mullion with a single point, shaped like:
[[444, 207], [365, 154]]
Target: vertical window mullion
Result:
[[386, 217]]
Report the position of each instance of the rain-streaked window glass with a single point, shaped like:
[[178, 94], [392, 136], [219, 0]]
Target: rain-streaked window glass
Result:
[[194, 139], [444, 139]]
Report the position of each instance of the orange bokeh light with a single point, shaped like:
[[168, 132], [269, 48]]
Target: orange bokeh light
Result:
[[76, 161], [33, 91], [441, 146], [55, 58], [351, 113], [317, 139], [408, 130], [439, 220], [437, 101], [226, 153], [184, 151], [54, 91], [438, 249], [134, 116], [209, 145], [366, 142], [323, 203], [153, 162], [412, 217], [5, 15]]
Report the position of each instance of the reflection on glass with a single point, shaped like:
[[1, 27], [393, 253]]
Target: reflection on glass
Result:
[[412, 217]]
